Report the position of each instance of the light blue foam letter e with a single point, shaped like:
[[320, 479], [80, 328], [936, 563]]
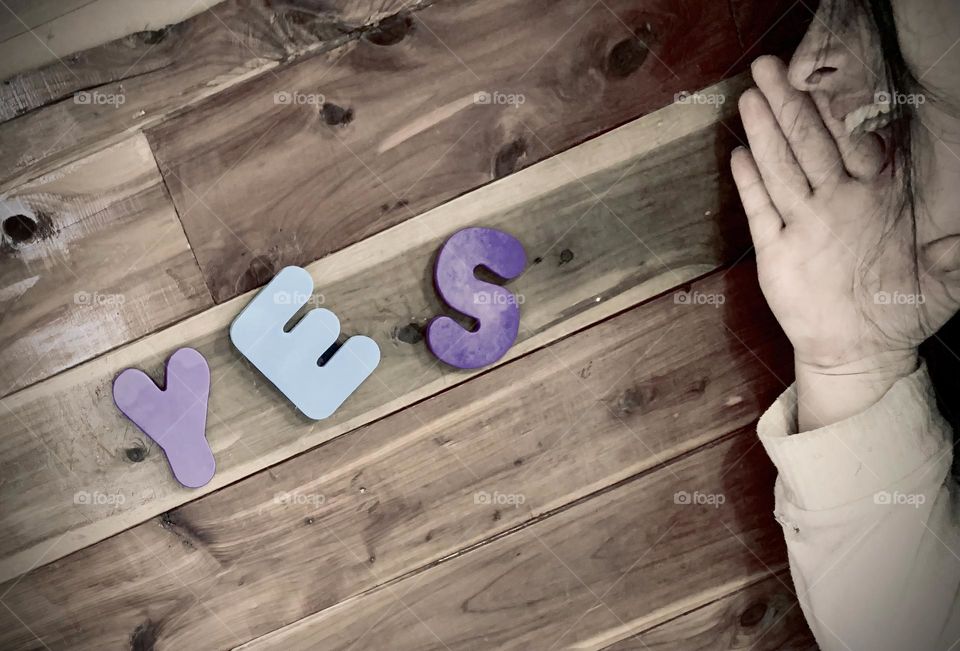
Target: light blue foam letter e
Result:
[[291, 360]]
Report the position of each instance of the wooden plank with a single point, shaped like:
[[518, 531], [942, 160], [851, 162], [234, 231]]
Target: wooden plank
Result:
[[92, 256], [764, 616], [36, 33], [555, 426], [607, 225], [608, 567], [31, 14], [383, 133], [158, 72]]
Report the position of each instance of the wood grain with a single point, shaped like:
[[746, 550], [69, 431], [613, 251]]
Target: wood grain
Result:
[[31, 14], [580, 215], [764, 616], [385, 131], [34, 33], [606, 225], [606, 568], [160, 71], [379, 503], [91, 256]]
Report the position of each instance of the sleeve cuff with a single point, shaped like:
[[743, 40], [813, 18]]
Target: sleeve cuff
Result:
[[861, 455]]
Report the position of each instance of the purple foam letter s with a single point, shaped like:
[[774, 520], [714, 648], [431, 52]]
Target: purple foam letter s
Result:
[[493, 306], [174, 417]]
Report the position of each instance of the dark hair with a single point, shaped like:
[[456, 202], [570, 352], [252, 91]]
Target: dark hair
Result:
[[937, 351]]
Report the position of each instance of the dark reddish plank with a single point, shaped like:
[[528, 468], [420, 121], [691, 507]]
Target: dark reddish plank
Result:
[[162, 71], [619, 562], [764, 616], [556, 426], [261, 185]]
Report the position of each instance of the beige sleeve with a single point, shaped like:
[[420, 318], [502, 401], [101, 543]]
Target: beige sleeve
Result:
[[868, 513]]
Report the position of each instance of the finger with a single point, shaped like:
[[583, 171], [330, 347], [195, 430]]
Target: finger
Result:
[[763, 218], [799, 119], [863, 153], [784, 180]]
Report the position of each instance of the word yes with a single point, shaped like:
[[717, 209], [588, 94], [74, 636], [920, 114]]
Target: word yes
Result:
[[293, 361]]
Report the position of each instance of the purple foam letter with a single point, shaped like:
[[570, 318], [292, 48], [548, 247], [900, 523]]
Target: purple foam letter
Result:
[[174, 417], [493, 306]]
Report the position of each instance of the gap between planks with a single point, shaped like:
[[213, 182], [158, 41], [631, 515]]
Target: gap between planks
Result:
[[394, 131], [550, 206], [106, 228], [630, 390], [607, 638], [621, 545], [196, 145], [163, 72], [764, 616]]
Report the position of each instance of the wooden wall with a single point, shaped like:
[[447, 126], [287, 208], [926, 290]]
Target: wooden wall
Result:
[[132, 230]]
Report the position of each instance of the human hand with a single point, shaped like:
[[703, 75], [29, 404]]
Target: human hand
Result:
[[855, 283], [836, 254]]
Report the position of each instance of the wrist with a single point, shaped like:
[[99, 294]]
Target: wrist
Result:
[[828, 394], [889, 364]]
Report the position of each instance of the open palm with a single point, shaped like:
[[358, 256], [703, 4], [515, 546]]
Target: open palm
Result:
[[836, 253]]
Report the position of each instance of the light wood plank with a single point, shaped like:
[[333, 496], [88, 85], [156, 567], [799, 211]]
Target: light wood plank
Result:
[[397, 495], [38, 33], [764, 616], [160, 71], [395, 130], [614, 565], [92, 256], [31, 14], [606, 225]]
